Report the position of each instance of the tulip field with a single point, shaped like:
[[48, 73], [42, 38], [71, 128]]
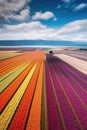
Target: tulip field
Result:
[[39, 91]]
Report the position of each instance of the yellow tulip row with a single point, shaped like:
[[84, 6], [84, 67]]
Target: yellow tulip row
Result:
[[9, 111], [4, 83], [10, 72], [35, 113]]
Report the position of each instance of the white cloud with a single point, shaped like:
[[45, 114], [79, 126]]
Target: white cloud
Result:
[[58, 6], [24, 14], [15, 9], [55, 19], [45, 16], [73, 31], [80, 6], [74, 27], [71, 5], [26, 27], [66, 4]]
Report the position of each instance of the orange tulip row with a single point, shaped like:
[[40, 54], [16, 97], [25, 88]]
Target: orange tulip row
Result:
[[31, 97]]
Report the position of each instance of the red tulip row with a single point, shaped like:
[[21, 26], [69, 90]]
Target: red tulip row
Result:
[[7, 94], [22, 113], [11, 63], [66, 94]]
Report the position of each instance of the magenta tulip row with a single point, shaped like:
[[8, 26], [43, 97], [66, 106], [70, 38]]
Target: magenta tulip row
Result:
[[69, 87]]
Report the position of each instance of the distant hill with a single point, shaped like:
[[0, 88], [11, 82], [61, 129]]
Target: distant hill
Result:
[[41, 43]]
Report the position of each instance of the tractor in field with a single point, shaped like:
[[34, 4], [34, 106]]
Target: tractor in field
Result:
[[51, 52]]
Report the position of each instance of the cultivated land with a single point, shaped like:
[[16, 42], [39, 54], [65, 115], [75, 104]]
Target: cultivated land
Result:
[[41, 91], [8, 54]]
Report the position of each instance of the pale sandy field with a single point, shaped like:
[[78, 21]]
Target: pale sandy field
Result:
[[79, 64], [8, 54]]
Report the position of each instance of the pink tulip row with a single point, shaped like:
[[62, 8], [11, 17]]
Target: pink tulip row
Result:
[[83, 76], [68, 117], [78, 76], [53, 120], [69, 95], [75, 82]]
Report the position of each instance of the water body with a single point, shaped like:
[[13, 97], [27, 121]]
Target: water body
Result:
[[41, 43]]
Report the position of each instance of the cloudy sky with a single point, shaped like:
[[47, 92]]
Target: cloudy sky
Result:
[[43, 20]]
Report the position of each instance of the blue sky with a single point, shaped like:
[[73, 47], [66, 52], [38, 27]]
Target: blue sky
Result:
[[43, 20]]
